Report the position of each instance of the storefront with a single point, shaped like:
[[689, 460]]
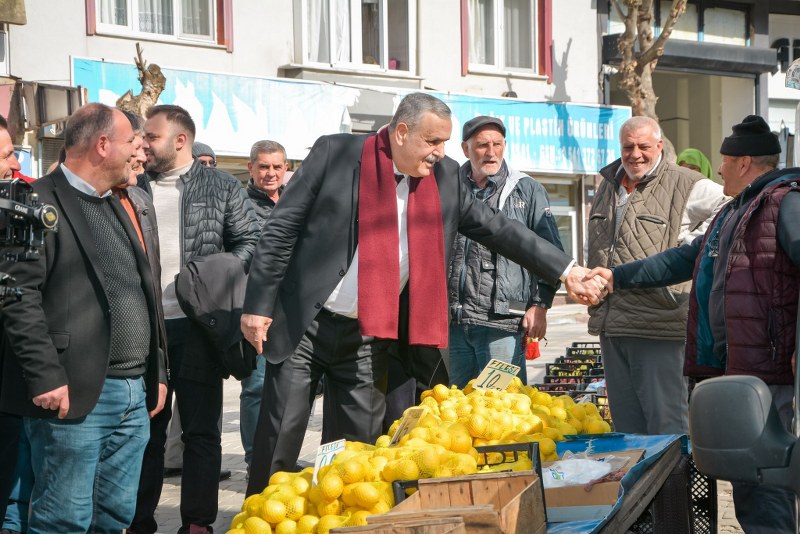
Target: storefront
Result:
[[563, 146]]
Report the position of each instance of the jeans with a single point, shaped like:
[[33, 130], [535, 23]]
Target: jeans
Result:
[[16, 516], [10, 430], [88, 468], [472, 346], [249, 406]]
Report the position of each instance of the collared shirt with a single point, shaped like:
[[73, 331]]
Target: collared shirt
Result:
[[344, 299], [82, 185], [490, 193]]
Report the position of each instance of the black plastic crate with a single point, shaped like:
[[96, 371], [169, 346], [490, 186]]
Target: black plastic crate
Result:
[[557, 388], [583, 351], [578, 380], [586, 344], [511, 453], [702, 503], [569, 369]]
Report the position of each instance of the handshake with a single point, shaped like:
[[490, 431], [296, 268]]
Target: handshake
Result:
[[589, 286]]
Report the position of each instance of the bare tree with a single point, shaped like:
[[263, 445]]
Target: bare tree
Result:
[[636, 70], [153, 82]]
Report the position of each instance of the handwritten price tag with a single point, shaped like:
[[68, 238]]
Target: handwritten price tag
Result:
[[410, 420], [325, 455], [496, 375]]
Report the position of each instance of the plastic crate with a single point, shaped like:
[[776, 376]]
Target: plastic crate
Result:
[[511, 453], [583, 352], [578, 380], [586, 344], [558, 388], [702, 506], [568, 369]]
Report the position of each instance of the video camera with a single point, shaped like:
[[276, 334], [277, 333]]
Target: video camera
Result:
[[23, 223]]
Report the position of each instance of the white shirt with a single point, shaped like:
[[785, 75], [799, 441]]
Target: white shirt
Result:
[[344, 299]]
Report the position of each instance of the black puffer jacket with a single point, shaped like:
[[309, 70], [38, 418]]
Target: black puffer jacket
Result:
[[216, 214]]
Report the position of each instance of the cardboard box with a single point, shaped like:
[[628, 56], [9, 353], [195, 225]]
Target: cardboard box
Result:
[[445, 525], [509, 503], [574, 503]]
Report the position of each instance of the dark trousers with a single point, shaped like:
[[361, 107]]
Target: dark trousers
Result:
[[763, 509], [355, 370], [199, 406], [10, 428]]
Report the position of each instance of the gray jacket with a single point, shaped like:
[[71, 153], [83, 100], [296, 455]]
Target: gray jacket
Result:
[[216, 214], [488, 289]]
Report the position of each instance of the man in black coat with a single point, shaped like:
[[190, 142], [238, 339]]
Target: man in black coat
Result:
[[201, 211], [81, 360], [335, 234]]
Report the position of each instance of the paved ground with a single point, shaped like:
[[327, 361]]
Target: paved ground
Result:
[[567, 324]]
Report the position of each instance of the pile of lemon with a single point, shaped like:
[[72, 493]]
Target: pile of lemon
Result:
[[358, 481]]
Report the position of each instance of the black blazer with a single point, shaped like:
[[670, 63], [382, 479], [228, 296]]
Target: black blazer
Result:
[[311, 238], [59, 333]]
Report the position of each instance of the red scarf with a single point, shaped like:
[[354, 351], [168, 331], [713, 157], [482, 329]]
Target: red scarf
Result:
[[379, 251]]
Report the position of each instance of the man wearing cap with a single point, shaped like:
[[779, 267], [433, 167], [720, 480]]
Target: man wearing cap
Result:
[[745, 274], [645, 205], [494, 302], [204, 154]]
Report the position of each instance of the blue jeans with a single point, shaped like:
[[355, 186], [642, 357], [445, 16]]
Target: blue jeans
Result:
[[88, 468], [249, 406], [472, 346], [16, 517]]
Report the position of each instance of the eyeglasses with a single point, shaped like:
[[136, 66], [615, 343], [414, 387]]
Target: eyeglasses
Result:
[[208, 162]]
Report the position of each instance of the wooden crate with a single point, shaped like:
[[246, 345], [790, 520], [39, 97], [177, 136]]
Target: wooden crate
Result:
[[509, 503], [444, 525]]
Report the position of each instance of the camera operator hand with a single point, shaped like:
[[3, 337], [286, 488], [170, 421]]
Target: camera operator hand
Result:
[[57, 399]]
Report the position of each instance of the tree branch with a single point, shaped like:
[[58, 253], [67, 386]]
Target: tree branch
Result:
[[654, 52]]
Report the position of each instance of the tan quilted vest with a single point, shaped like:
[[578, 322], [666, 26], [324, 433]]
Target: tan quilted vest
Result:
[[650, 224]]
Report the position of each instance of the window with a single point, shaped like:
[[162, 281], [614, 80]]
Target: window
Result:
[[502, 34], [180, 19], [373, 34], [709, 21]]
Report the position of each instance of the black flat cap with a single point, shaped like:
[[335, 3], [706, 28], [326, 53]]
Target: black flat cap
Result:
[[473, 125]]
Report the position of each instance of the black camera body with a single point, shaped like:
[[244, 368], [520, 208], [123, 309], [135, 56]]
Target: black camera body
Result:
[[23, 224]]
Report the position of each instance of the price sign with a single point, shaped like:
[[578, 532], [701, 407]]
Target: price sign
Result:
[[496, 375], [410, 420], [325, 454]]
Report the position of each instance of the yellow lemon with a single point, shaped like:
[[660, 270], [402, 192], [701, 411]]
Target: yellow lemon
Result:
[[352, 471], [406, 469], [383, 441], [333, 507], [331, 486], [281, 477], [381, 507], [296, 508], [315, 495], [252, 505], [441, 392], [238, 520], [366, 495], [300, 485], [328, 522], [256, 525], [359, 518], [287, 526], [307, 524], [273, 511], [546, 447]]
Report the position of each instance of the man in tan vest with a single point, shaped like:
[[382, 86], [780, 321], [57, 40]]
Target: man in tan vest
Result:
[[644, 205]]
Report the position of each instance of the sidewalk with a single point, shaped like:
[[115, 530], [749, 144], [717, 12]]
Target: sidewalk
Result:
[[565, 324]]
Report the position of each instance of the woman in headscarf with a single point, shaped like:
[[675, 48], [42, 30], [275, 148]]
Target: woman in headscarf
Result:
[[695, 160]]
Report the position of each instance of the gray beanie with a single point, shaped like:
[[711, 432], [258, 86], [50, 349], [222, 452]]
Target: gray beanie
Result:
[[202, 149]]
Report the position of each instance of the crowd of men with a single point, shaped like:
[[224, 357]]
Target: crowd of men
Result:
[[166, 276]]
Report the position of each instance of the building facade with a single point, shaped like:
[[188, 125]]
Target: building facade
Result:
[[292, 70]]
